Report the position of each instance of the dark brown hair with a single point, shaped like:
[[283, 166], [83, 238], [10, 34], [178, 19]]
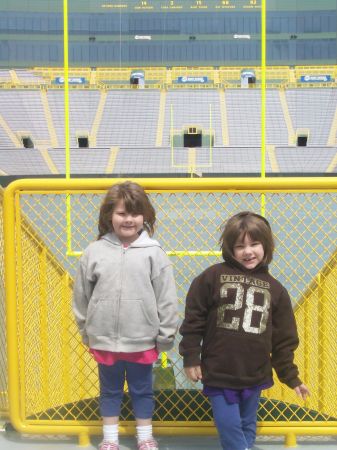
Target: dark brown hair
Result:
[[246, 222], [135, 200]]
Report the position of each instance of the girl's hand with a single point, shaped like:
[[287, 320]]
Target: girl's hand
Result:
[[302, 391], [193, 373]]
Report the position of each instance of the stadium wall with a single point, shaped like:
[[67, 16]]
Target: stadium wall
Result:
[[192, 38]]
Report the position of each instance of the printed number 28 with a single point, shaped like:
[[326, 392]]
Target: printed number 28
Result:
[[250, 307]]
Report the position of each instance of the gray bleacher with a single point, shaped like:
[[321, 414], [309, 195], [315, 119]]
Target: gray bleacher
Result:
[[23, 161], [130, 121], [276, 128], [230, 160], [23, 112], [5, 76], [313, 109], [82, 111], [82, 160], [192, 107], [154, 160], [5, 141], [305, 159], [219, 160], [244, 117], [130, 118], [27, 76]]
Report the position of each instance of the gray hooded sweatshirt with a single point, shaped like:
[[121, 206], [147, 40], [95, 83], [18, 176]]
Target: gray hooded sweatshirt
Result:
[[125, 298]]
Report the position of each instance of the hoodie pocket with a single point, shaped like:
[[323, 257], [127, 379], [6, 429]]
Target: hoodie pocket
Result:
[[237, 356], [101, 318], [138, 320]]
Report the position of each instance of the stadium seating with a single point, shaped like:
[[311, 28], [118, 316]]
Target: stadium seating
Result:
[[83, 106], [24, 114], [22, 161], [313, 109], [129, 118], [193, 107], [307, 160], [129, 131]]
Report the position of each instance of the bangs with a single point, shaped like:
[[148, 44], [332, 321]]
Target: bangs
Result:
[[254, 233], [133, 205]]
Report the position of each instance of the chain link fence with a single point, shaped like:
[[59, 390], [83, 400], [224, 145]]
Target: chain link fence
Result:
[[54, 379]]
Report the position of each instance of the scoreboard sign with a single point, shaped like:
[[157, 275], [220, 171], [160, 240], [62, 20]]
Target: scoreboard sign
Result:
[[179, 5]]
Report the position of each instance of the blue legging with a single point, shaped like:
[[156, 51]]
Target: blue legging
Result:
[[139, 378], [236, 422]]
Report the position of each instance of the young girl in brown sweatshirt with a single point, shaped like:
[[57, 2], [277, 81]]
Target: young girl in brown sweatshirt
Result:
[[238, 325]]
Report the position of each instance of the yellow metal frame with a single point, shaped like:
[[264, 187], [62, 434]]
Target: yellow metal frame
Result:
[[13, 275]]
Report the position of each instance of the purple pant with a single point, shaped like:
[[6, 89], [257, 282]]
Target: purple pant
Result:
[[236, 422]]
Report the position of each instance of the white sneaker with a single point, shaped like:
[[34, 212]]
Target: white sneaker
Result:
[[148, 444], [106, 445]]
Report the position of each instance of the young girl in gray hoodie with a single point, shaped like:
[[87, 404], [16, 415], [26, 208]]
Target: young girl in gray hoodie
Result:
[[125, 305]]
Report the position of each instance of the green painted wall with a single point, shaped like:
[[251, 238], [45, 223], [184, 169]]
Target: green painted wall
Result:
[[128, 6]]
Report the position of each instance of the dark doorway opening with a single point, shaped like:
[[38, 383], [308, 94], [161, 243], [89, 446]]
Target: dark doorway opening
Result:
[[192, 137], [302, 141], [27, 142], [192, 140], [83, 142], [251, 80]]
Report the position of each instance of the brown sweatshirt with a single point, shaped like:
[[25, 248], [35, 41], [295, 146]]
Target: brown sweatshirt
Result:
[[239, 324]]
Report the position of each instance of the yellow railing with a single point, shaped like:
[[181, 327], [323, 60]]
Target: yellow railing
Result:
[[154, 74], [3, 340], [159, 77], [53, 385], [315, 70]]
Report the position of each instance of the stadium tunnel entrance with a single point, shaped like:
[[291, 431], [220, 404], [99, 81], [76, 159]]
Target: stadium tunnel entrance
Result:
[[248, 78], [137, 79], [192, 136]]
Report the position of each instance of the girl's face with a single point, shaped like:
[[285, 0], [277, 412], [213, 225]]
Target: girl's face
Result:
[[126, 225], [247, 252]]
